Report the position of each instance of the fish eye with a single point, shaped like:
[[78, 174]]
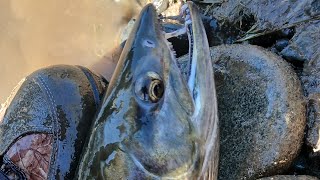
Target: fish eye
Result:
[[149, 87], [156, 90]]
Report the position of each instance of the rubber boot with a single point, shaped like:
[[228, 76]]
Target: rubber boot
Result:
[[45, 122]]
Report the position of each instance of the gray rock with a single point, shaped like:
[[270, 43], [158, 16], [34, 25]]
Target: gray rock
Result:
[[261, 110], [268, 14], [289, 177], [314, 123], [305, 44]]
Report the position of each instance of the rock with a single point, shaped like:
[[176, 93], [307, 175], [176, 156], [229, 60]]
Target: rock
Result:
[[268, 14], [281, 44], [260, 22], [261, 110], [307, 163], [313, 122], [289, 177], [305, 44]]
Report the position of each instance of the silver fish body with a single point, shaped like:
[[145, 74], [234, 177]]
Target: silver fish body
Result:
[[153, 124]]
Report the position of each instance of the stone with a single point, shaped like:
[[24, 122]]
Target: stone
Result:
[[304, 47], [269, 14], [313, 123], [305, 44], [261, 111]]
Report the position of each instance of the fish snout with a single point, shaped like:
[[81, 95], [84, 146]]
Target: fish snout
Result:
[[149, 30]]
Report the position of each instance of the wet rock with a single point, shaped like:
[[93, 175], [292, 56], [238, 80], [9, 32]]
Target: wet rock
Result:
[[305, 44], [281, 44], [308, 161], [290, 177], [313, 139], [260, 23], [261, 110], [268, 14]]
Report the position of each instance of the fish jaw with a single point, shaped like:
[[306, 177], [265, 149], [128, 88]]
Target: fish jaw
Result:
[[202, 87]]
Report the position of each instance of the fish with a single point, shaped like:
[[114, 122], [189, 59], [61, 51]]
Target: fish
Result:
[[155, 123]]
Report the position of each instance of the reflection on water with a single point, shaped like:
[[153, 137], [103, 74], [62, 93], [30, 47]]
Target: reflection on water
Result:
[[34, 35]]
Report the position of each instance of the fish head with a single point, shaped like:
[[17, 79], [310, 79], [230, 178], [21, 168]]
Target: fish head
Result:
[[150, 102]]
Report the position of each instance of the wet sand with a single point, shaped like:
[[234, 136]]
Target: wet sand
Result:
[[35, 35]]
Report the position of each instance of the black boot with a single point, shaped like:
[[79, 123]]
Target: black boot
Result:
[[45, 122]]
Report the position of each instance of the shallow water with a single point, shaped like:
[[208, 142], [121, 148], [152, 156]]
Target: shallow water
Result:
[[35, 35]]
